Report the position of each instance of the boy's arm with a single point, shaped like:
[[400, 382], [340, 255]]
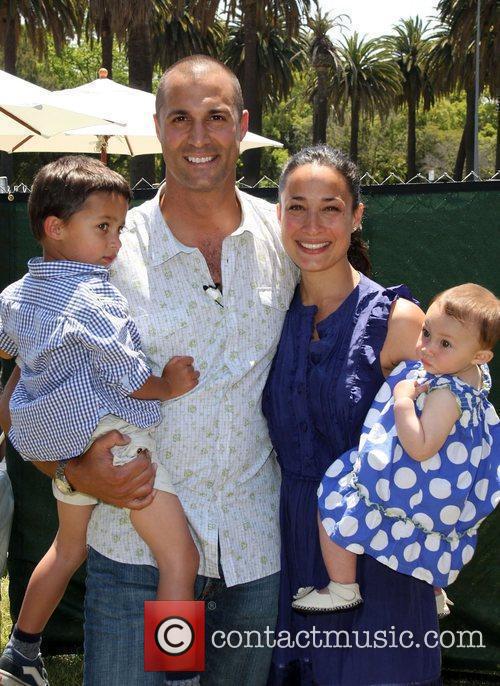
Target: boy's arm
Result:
[[422, 438], [178, 377]]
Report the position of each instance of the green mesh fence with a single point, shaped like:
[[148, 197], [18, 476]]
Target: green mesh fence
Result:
[[428, 237]]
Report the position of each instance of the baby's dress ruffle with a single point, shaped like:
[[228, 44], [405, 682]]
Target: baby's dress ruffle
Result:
[[371, 503]]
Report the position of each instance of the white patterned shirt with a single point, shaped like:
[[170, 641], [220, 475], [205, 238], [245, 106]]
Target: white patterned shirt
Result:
[[214, 439]]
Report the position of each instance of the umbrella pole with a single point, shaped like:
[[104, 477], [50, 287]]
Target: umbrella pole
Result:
[[104, 150]]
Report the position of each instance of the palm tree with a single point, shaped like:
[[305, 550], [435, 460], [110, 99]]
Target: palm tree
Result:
[[59, 18], [456, 43], [410, 45], [278, 57], [257, 16], [369, 79], [325, 61]]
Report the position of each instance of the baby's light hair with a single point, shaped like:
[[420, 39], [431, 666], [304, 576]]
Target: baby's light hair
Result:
[[470, 303]]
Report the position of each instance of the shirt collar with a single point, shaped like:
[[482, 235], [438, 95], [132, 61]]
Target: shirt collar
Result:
[[55, 269], [164, 245]]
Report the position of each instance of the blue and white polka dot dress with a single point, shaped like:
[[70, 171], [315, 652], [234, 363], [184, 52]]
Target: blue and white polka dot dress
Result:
[[419, 518]]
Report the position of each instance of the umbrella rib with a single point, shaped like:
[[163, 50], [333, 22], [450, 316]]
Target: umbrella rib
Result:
[[21, 143], [128, 145], [20, 121]]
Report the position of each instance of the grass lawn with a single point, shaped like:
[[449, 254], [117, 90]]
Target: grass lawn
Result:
[[63, 670]]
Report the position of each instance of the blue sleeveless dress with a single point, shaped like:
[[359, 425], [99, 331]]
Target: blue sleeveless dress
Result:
[[315, 401], [420, 518]]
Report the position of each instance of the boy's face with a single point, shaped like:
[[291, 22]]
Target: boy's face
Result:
[[447, 346], [92, 234]]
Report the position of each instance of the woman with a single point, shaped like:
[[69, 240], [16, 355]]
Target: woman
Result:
[[342, 336]]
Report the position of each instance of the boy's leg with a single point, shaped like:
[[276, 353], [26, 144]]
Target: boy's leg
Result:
[[54, 571], [163, 526]]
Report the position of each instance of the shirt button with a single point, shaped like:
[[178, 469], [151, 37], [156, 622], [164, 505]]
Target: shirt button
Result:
[[303, 426]]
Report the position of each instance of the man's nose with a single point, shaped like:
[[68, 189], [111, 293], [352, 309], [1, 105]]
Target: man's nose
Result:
[[198, 133]]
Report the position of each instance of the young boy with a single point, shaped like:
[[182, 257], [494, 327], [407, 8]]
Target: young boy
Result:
[[83, 374]]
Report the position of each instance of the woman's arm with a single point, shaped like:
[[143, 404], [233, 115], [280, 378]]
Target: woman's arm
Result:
[[422, 438], [404, 326]]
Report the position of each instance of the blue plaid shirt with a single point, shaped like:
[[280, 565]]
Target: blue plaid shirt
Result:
[[79, 354]]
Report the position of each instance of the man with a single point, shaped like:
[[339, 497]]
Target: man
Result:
[[205, 275]]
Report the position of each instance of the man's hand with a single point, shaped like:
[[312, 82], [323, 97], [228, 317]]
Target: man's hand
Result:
[[129, 485]]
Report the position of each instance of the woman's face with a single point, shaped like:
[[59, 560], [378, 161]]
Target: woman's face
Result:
[[317, 218]]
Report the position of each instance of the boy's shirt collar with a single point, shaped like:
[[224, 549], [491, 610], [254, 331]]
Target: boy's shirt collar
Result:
[[40, 269]]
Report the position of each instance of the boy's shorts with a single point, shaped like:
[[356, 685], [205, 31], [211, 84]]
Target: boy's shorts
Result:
[[141, 439]]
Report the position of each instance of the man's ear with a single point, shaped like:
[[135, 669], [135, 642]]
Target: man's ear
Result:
[[244, 124], [53, 228], [157, 125], [483, 357]]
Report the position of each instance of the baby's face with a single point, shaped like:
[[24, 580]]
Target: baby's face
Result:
[[92, 234], [445, 345]]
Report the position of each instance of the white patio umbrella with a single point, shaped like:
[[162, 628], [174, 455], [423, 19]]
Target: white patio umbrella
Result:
[[27, 110], [137, 137]]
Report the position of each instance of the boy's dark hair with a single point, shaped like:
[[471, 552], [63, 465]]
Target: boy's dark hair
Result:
[[476, 305], [61, 188]]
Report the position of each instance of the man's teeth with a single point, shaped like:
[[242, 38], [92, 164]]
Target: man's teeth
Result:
[[200, 160], [314, 246]]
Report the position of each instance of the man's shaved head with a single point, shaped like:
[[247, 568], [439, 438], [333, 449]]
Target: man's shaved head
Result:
[[196, 66]]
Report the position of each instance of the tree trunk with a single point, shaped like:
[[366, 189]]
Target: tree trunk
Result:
[[140, 70], [251, 162], [469, 130], [497, 156], [10, 56], [107, 46], [320, 107], [355, 110], [458, 172], [411, 156]]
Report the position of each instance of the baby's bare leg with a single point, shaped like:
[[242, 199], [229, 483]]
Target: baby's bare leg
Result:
[[339, 562], [163, 526], [54, 571]]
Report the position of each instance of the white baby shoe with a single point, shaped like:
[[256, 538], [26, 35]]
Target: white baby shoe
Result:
[[339, 597], [443, 605]]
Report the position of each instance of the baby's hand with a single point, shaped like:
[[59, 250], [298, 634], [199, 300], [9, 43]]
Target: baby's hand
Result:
[[409, 389], [180, 375]]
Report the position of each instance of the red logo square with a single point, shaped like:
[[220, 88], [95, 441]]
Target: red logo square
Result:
[[174, 635]]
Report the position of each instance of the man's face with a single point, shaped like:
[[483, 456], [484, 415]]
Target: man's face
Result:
[[199, 130]]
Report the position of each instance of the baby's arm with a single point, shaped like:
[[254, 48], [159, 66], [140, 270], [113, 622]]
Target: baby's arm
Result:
[[178, 377], [422, 438], [5, 355]]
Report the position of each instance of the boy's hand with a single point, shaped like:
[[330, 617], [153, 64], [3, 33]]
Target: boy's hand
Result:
[[180, 376], [409, 389]]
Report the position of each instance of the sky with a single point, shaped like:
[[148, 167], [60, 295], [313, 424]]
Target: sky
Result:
[[376, 17]]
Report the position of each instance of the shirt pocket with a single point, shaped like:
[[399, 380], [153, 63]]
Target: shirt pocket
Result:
[[163, 336]]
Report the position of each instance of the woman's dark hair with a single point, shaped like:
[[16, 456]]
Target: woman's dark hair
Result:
[[325, 156], [61, 188]]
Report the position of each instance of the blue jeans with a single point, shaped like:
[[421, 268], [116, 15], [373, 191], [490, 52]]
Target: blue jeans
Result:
[[114, 626]]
